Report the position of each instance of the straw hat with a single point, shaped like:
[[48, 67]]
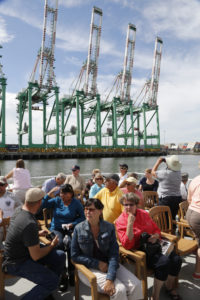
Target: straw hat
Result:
[[131, 180], [173, 163]]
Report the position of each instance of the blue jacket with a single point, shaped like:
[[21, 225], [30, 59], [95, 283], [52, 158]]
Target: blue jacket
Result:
[[73, 213], [82, 247]]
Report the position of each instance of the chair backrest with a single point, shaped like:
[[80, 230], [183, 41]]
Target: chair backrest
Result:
[[150, 199], [3, 229], [47, 214], [183, 206], [162, 216]]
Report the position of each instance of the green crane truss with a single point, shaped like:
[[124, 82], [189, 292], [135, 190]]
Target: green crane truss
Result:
[[42, 95], [2, 107]]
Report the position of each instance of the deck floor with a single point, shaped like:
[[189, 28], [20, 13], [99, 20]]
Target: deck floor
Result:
[[188, 287]]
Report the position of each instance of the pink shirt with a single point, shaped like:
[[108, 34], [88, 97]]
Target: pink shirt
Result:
[[21, 178], [194, 194]]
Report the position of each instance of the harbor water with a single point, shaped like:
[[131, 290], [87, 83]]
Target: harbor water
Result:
[[39, 169]]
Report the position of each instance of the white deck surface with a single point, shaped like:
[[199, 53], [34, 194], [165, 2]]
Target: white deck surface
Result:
[[189, 288]]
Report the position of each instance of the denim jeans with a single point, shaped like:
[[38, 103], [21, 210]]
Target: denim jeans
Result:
[[46, 279]]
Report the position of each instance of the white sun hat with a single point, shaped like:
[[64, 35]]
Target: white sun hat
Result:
[[173, 163]]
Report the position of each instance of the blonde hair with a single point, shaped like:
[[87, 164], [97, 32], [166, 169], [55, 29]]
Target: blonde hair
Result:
[[95, 171]]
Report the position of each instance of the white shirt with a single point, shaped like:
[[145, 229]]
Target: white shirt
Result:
[[21, 178], [122, 178], [8, 205]]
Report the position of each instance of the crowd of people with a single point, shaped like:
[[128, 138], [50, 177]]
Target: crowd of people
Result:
[[84, 218]]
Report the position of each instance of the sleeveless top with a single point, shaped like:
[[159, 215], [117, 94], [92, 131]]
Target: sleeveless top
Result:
[[21, 178]]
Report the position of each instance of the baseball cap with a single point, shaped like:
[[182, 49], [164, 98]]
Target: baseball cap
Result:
[[75, 167], [113, 177], [3, 180], [124, 166], [34, 195]]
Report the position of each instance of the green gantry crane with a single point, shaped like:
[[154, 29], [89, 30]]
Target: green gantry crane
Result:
[[42, 94]]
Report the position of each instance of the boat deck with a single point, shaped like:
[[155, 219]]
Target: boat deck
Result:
[[188, 287]]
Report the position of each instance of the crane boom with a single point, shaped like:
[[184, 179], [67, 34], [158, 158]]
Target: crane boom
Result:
[[153, 91], [93, 52], [128, 63]]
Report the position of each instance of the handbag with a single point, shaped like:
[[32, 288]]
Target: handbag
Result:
[[149, 248]]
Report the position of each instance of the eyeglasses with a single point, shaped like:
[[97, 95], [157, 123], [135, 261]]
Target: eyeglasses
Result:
[[90, 209], [2, 184], [99, 178], [128, 204], [128, 183], [123, 168]]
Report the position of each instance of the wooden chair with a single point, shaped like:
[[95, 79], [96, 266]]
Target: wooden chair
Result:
[[3, 276], [150, 199], [161, 215], [183, 207], [92, 280], [47, 214]]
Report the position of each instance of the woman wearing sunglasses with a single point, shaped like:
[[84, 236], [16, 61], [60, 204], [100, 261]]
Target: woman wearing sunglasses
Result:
[[95, 188], [94, 245], [130, 225]]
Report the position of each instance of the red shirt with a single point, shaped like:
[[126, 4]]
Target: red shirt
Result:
[[142, 223]]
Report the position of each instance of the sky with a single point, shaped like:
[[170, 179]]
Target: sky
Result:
[[177, 22]]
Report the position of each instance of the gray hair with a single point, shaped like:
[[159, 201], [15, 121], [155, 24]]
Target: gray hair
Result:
[[61, 176], [130, 197]]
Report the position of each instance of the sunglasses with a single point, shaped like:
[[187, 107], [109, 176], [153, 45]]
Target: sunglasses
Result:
[[99, 178], [2, 184], [90, 209], [128, 204], [123, 168], [128, 183]]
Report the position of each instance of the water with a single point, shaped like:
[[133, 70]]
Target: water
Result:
[[106, 165]]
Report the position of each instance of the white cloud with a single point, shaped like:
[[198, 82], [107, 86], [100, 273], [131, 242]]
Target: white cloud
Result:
[[177, 17], [5, 37], [74, 3], [11, 120]]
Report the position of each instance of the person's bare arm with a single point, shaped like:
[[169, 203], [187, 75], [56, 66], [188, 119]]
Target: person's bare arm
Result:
[[155, 167], [36, 252], [129, 229], [9, 175]]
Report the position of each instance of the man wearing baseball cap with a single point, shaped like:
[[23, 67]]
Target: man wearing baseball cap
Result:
[[110, 196], [8, 201], [23, 255]]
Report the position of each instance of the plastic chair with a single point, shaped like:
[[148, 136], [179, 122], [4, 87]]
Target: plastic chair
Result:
[[150, 199]]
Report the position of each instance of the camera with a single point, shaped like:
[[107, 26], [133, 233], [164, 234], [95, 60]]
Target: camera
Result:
[[51, 236], [163, 160]]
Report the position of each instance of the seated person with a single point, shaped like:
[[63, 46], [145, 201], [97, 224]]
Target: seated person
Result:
[[148, 183], [21, 180], [95, 188], [123, 173], [23, 255], [184, 186], [90, 182], [130, 225], [110, 196], [50, 183], [77, 182], [131, 187], [8, 203], [67, 212], [94, 245]]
